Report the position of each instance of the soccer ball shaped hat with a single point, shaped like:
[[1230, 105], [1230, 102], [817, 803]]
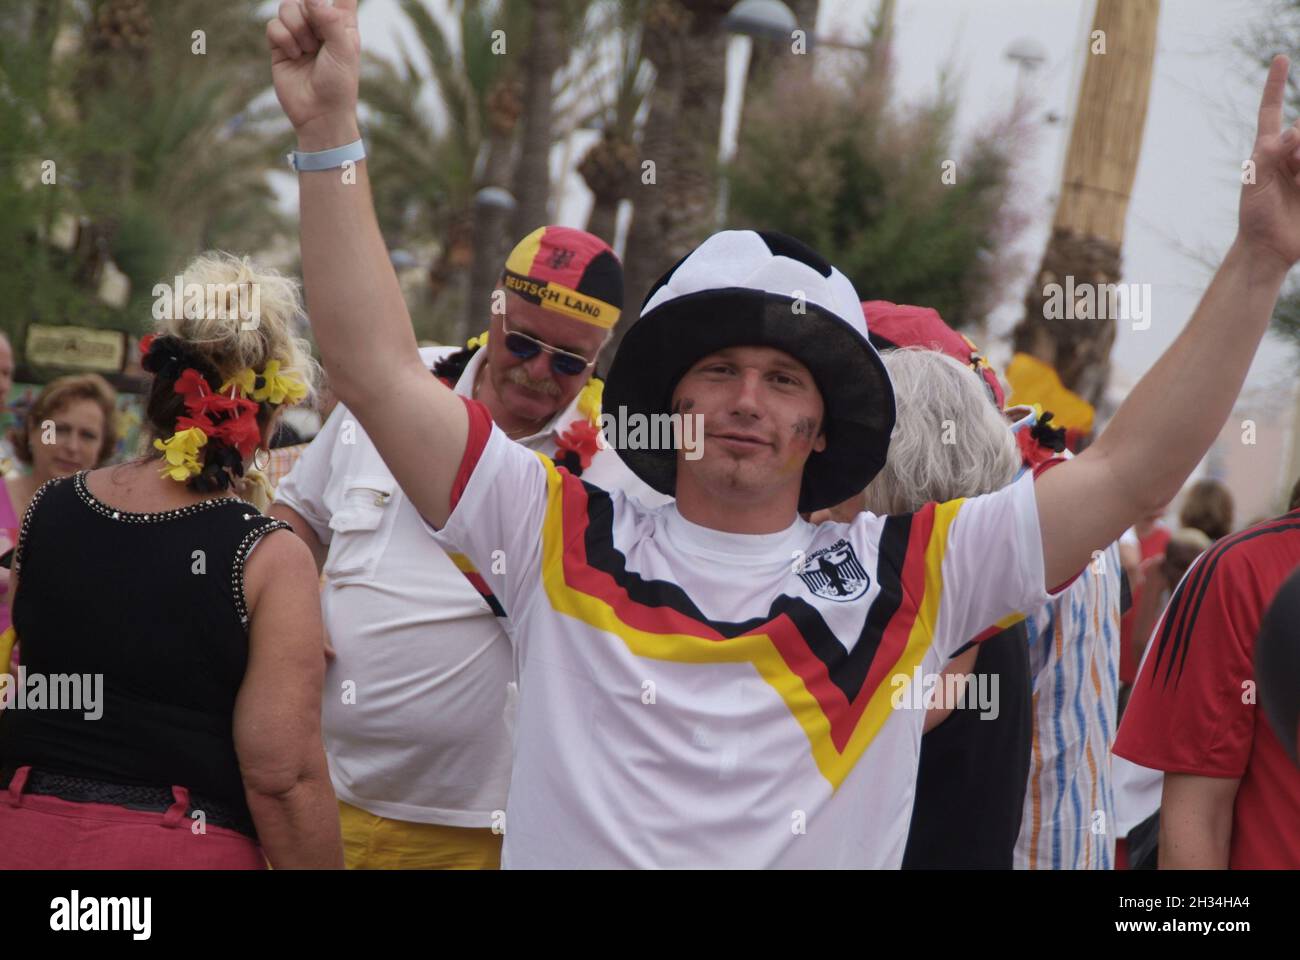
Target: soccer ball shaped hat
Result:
[[756, 288]]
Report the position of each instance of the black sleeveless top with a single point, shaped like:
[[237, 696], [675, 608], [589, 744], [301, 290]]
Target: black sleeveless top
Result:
[[970, 787], [155, 603]]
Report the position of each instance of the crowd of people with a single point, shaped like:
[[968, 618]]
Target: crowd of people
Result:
[[879, 618]]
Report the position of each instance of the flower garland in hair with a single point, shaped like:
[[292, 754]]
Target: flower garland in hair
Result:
[[224, 420]]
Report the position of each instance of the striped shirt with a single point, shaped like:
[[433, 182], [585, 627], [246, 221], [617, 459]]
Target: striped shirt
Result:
[[1069, 813]]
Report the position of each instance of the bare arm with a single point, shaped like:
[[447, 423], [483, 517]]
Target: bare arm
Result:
[[357, 312], [277, 712], [1175, 412], [1196, 822], [304, 530], [959, 666]]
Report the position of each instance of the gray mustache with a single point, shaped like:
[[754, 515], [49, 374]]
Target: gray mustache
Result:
[[519, 377]]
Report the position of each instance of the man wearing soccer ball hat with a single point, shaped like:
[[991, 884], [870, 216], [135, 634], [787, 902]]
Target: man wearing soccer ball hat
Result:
[[709, 683]]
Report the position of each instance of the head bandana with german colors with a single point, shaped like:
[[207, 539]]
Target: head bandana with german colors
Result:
[[570, 271]]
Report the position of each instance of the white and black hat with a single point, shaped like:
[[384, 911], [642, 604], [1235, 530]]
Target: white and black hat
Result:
[[749, 287]]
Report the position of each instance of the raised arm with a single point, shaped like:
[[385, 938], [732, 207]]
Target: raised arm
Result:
[[356, 308], [1174, 413]]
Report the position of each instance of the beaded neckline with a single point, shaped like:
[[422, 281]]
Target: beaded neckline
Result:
[[127, 516]]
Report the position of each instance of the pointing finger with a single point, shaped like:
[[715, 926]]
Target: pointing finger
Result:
[[1270, 105]]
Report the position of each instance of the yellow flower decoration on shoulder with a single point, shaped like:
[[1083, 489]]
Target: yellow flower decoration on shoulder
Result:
[[276, 388], [473, 343], [181, 453], [590, 399]]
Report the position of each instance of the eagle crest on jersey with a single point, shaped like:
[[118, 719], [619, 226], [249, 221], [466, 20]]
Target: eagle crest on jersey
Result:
[[835, 573]]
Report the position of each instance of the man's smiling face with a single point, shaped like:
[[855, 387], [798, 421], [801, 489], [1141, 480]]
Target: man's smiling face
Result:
[[762, 419]]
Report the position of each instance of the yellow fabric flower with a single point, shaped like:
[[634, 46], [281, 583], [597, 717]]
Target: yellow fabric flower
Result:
[[276, 387], [244, 380], [474, 343], [590, 399], [181, 453]]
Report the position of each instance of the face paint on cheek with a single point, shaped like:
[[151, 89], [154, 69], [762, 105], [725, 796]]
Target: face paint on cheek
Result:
[[805, 428], [804, 432]]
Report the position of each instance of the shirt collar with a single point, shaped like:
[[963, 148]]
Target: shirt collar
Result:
[[735, 548]]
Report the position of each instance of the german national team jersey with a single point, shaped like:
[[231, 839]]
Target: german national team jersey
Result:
[[695, 698], [1193, 706]]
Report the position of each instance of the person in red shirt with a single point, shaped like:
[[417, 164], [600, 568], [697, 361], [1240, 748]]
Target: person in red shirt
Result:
[[1231, 794], [1152, 538]]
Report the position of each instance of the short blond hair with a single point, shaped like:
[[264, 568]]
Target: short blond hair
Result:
[[224, 339]]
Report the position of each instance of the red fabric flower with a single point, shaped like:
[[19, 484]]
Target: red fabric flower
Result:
[[201, 401], [1032, 453], [583, 438], [191, 385], [145, 343], [240, 430], [199, 422]]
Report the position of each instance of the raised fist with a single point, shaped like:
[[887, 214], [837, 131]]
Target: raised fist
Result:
[[316, 66]]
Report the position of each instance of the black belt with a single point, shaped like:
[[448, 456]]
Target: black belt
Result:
[[149, 799]]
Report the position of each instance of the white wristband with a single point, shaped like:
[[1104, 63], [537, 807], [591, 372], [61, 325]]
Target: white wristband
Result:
[[327, 159]]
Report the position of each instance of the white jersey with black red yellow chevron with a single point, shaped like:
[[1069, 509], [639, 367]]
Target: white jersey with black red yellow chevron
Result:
[[694, 698]]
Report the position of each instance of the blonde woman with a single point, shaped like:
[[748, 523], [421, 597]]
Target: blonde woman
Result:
[[191, 619]]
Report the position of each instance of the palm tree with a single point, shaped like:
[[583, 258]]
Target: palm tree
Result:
[[610, 165], [426, 175], [686, 44], [1100, 166], [542, 59], [156, 145]]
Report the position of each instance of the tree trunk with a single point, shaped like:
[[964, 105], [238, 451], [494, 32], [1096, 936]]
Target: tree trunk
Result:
[[609, 168], [532, 182], [603, 220], [1088, 231], [490, 221], [675, 211]]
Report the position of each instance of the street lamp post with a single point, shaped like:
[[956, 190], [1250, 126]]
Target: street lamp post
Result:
[[764, 20]]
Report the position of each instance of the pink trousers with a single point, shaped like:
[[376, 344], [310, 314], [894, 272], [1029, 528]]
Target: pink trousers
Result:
[[45, 833]]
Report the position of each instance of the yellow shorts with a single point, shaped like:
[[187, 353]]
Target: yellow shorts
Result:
[[377, 843]]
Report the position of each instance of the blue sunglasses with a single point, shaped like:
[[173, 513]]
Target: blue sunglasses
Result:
[[524, 347]]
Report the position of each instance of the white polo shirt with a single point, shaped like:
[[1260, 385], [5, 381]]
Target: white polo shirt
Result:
[[418, 703], [693, 698]]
